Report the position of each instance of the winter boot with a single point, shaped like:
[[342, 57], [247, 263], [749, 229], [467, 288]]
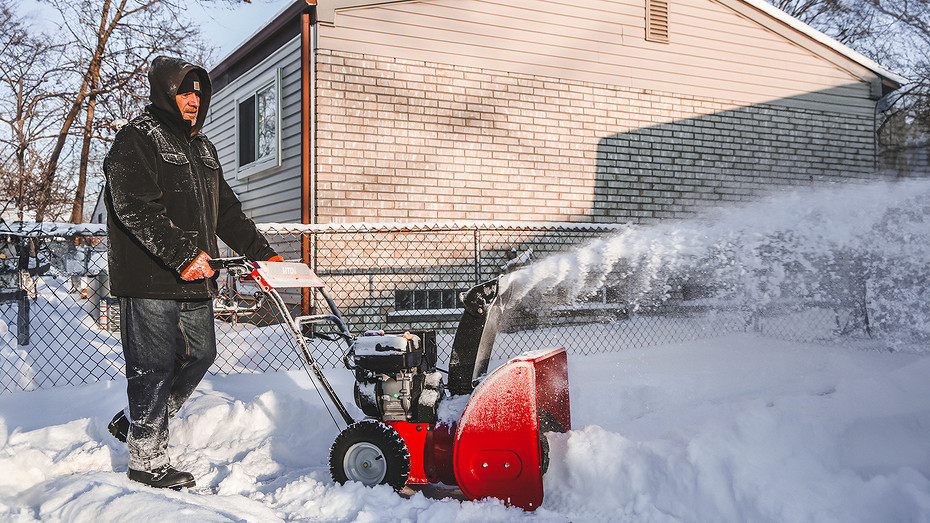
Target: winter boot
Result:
[[119, 427], [163, 477]]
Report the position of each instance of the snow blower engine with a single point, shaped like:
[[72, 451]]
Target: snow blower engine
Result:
[[395, 376]]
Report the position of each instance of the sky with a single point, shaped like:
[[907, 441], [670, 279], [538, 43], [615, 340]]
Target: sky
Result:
[[224, 27]]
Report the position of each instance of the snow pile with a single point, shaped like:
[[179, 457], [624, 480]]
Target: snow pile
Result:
[[15, 371], [735, 429], [853, 246], [745, 429]]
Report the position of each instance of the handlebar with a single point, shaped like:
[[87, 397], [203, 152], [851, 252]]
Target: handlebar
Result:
[[237, 265]]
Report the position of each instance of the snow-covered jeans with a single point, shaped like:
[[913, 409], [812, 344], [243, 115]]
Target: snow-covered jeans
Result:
[[168, 346]]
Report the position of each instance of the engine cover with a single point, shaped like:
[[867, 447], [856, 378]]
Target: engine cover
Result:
[[395, 381], [387, 353]]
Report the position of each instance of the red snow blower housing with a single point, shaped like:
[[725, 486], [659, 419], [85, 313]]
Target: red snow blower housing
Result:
[[495, 447]]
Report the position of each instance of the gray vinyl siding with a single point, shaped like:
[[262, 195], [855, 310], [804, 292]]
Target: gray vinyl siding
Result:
[[272, 195], [713, 52]]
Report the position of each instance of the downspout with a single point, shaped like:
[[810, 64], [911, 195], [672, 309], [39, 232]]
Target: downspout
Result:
[[307, 124], [307, 192]]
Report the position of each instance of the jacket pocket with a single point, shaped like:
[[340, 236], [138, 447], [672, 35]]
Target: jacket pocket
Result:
[[174, 158], [210, 162], [206, 156]]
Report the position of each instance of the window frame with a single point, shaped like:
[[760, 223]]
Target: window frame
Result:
[[260, 165]]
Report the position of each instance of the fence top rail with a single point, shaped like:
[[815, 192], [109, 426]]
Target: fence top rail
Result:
[[438, 226], [45, 229]]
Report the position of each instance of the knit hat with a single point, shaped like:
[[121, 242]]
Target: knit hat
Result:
[[190, 84]]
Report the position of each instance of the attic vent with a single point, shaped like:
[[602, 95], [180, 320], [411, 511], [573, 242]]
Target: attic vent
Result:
[[657, 21]]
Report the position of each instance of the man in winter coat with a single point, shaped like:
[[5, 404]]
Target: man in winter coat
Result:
[[167, 202]]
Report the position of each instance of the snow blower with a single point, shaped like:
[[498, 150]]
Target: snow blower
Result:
[[496, 447]]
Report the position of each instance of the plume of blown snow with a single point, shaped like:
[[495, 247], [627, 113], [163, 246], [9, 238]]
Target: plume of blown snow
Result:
[[862, 246]]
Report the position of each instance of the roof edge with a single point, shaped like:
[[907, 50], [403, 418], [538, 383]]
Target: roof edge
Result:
[[326, 9], [828, 41], [274, 24]]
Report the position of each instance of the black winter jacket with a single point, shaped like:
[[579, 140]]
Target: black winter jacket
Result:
[[167, 199]]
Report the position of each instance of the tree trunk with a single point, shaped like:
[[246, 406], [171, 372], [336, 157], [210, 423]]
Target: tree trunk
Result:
[[48, 174], [77, 208], [89, 83]]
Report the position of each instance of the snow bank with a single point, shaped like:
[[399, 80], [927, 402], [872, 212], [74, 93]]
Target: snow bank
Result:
[[736, 429], [748, 429], [15, 369]]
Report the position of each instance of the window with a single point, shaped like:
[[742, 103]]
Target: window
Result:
[[657, 21], [257, 124], [421, 299]]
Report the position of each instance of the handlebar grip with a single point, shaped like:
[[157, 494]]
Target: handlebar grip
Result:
[[226, 263]]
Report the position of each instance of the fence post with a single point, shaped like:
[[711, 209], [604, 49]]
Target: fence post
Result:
[[477, 238], [22, 316], [305, 255]]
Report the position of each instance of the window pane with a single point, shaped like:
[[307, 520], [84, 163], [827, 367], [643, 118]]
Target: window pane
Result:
[[247, 131], [403, 300], [434, 299], [267, 122], [449, 298], [419, 299]]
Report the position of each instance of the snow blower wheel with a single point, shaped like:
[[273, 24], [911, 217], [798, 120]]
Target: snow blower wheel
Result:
[[371, 453]]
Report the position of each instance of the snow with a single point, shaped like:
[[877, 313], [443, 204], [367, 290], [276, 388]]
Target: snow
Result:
[[32, 229], [739, 427], [735, 429], [851, 244]]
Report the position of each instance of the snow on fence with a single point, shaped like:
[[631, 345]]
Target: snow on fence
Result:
[[60, 326]]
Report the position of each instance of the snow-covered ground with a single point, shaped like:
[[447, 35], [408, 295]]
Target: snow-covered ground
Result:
[[735, 429], [730, 429]]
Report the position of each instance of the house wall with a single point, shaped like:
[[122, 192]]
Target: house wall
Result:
[[405, 140], [563, 111], [714, 51], [272, 195], [553, 111]]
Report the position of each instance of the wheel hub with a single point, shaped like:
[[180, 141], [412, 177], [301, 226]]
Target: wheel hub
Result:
[[365, 463]]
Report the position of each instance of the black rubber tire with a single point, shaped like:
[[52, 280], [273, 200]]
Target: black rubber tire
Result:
[[547, 423], [543, 452], [371, 453]]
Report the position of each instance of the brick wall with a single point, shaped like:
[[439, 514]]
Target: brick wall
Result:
[[400, 140]]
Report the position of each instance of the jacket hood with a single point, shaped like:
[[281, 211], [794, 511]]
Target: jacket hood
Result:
[[165, 76]]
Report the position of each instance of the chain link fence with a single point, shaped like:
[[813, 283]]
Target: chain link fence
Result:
[[59, 325]]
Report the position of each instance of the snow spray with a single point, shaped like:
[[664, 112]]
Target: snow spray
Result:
[[862, 245]]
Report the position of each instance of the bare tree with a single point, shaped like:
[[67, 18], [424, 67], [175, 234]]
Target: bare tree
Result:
[[909, 29], [894, 33], [30, 101], [111, 44], [846, 21]]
